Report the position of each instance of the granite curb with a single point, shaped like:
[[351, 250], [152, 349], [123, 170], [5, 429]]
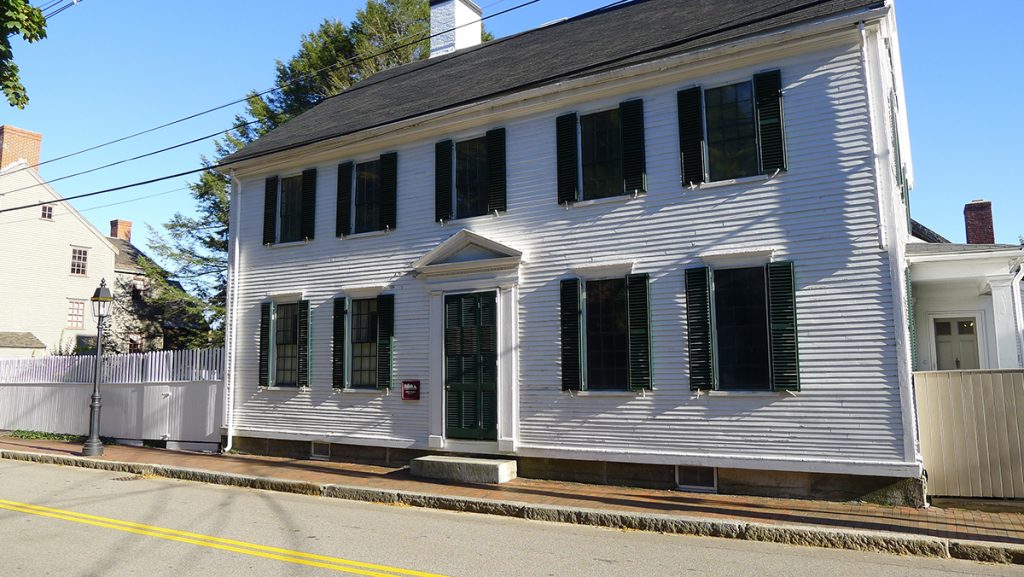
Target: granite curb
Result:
[[805, 535]]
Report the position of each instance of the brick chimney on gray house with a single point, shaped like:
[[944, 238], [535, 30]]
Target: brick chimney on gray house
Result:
[[978, 222], [121, 229]]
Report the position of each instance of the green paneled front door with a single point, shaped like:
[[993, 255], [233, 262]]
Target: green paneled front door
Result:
[[471, 366]]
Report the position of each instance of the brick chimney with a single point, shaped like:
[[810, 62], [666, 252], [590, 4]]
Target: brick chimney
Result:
[[460, 22], [121, 229], [978, 222], [17, 144]]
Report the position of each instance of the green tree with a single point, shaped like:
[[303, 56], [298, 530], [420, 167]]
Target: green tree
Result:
[[330, 59], [17, 18]]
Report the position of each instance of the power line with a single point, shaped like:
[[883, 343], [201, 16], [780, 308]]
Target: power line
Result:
[[57, 11], [340, 63], [97, 207]]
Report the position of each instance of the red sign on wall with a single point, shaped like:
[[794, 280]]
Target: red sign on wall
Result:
[[410, 390]]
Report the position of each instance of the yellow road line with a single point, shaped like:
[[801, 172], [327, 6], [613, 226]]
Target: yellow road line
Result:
[[243, 547]]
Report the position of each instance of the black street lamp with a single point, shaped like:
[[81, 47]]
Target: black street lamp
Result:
[[101, 301]]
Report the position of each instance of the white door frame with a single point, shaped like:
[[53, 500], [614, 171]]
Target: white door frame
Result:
[[981, 322]]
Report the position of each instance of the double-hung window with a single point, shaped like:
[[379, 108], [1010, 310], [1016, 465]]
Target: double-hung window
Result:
[[79, 261], [469, 177], [741, 328], [289, 208], [606, 339], [601, 154], [732, 131], [367, 195], [364, 331], [76, 314], [284, 351]]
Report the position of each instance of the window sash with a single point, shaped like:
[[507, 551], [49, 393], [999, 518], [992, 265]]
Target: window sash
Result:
[[286, 345], [363, 343], [290, 227], [471, 178], [79, 261], [601, 154], [47, 212], [76, 314], [731, 130], [367, 197], [606, 334], [741, 329]]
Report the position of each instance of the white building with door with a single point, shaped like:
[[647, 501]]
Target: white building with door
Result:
[[661, 243]]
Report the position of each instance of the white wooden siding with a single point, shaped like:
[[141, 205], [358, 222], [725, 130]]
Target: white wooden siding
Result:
[[822, 214]]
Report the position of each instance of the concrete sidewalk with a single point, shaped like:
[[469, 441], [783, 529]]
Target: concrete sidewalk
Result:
[[959, 533]]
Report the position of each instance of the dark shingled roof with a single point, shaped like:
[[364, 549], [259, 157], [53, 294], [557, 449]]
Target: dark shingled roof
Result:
[[10, 340], [918, 230], [127, 255], [608, 39], [929, 248]]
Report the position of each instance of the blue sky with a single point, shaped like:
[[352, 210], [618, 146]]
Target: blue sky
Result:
[[109, 68]]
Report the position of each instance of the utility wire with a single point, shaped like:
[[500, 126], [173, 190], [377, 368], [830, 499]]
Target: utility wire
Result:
[[62, 8], [340, 63]]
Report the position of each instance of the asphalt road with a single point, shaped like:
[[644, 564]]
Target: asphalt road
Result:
[[78, 522]]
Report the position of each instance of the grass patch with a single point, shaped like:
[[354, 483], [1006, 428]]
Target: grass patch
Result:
[[44, 436]]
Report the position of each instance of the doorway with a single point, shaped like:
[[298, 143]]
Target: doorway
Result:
[[956, 344], [471, 366]]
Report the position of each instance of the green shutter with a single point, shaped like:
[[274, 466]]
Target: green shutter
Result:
[[770, 130], [782, 326], [638, 309], [385, 341], [700, 334], [690, 106], [389, 191], [894, 134], [338, 374], [343, 225], [302, 364], [634, 163], [266, 344], [270, 211], [443, 181], [308, 203], [911, 321], [571, 317], [567, 158], [497, 195]]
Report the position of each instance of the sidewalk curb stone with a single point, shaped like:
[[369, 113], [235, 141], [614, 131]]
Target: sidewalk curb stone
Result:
[[852, 539]]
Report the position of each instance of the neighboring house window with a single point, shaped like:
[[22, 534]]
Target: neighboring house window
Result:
[[289, 208], [367, 196], [284, 352], [469, 177], [79, 260], [135, 343], [47, 212], [741, 328], [732, 131], [76, 314], [363, 342], [601, 154], [606, 338]]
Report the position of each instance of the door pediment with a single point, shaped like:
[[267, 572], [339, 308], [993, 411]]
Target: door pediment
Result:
[[467, 252]]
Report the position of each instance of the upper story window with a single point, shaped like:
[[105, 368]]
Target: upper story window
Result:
[[601, 154], [79, 261], [606, 338], [289, 208], [469, 177], [732, 131], [368, 196], [76, 314], [47, 212], [741, 327]]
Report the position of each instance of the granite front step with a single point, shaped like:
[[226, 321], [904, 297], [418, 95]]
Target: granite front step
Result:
[[464, 469]]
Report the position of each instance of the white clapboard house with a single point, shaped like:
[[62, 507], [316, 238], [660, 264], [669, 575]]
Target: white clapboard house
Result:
[[659, 243]]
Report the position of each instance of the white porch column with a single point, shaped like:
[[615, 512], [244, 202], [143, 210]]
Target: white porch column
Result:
[[1003, 322], [508, 368]]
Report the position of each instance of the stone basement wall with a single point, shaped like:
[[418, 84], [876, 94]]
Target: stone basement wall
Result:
[[779, 484]]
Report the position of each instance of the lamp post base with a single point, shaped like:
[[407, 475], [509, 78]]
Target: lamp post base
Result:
[[92, 448]]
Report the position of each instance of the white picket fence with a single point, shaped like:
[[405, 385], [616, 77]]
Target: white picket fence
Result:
[[175, 396], [154, 367]]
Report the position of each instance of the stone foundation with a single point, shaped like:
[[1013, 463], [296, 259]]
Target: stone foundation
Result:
[[779, 484]]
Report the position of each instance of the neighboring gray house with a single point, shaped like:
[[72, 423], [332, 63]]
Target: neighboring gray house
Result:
[[661, 243]]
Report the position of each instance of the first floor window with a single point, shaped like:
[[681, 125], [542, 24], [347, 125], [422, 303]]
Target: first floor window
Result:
[[732, 131], [741, 328], [79, 261], [284, 352], [76, 314], [606, 342], [363, 342], [136, 344]]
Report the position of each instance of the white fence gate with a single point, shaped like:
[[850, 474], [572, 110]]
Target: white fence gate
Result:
[[174, 396]]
